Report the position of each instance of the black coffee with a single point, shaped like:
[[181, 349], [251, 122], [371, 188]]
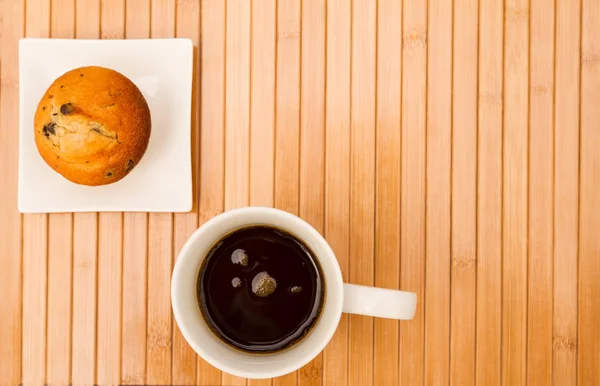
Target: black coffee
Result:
[[260, 289]]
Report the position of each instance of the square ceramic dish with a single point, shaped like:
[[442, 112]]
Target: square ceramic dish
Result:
[[162, 70]]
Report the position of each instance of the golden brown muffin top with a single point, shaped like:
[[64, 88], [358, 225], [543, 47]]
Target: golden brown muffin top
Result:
[[92, 125]]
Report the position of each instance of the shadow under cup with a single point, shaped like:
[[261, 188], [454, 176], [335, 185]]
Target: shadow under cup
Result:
[[199, 335]]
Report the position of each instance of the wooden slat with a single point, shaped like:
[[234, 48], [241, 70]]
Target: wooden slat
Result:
[[589, 205], [158, 334], [412, 202], [187, 25], [135, 247], [439, 144], [12, 22], [514, 194], [212, 152], [489, 194], [312, 138], [237, 102], [35, 249], [287, 119], [60, 271], [262, 99], [134, 302], [541, 194], [464, 194], [566, 191], [85, 247], [160, 248], [35, 227], [387, 183], [87, 21], [362, 182], [237, 115], [108, 361], [110, 244], [337, 170], [287, 106]]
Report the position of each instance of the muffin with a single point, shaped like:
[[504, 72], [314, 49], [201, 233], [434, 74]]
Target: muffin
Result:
[[92, 126]]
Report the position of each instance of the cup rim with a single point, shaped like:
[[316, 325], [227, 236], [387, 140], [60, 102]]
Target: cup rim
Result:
[[333, 277]]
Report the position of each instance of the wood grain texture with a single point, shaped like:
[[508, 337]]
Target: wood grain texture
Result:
[[514, 192], [463, 249], [489, 194], [566, 191], [262, 99], [110, 241], [83, 336], [412, 202], [588, 372], [438, 179], [387, 182], [444, 147], [35, 227], [12, 25], [541, 194]]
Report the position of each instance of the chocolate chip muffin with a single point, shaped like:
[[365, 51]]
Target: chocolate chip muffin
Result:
[[92, 126]]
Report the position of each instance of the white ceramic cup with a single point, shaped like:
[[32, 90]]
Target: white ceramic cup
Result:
[[339, 297]]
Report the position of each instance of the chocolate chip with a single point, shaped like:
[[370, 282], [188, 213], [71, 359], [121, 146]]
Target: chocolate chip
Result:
[[50, 96], [129, 165], [87, 162], [54, 114], [109, 174], [49, 128], [45, 132], [61, 86], [66, 109], [81, 75], [44, 108]]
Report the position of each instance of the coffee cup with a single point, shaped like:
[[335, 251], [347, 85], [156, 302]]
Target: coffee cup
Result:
[[339, 297]]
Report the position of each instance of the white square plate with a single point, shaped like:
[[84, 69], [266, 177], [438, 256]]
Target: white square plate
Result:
[[162, 181]]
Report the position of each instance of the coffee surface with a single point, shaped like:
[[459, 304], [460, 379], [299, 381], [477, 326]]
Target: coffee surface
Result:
[[260, 289]]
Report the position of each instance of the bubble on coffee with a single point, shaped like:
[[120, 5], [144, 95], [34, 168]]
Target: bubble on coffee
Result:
[[236, 282], [263, 284], [296, 289], [239, 256]]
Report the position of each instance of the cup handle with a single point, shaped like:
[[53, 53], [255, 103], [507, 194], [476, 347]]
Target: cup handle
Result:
[[379, 302]]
